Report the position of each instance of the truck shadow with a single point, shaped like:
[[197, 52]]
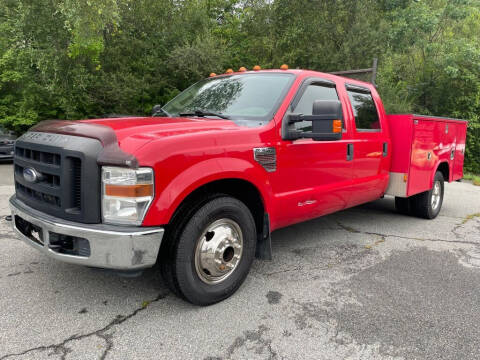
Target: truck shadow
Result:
[[382, 208], [150, 282]]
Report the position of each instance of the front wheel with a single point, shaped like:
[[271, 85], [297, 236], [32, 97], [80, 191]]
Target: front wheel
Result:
[[428, 204], [213, 253]]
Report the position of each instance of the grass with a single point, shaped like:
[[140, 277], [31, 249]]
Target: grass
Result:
[[474, 178], [470, 217]]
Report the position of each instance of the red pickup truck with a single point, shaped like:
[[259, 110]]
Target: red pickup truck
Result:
[[199, 186]]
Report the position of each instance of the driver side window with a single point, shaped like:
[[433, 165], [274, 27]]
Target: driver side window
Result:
[[305, 104]]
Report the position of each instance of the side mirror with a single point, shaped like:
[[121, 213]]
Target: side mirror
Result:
[[327, 109], [326, 121]]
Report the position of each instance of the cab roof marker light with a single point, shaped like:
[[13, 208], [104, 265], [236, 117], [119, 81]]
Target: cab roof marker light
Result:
[[284, 67]]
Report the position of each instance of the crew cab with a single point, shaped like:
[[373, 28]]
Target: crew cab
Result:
[[198, 187]]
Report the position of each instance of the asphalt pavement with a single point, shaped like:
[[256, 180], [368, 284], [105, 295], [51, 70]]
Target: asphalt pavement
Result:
[[6, 173], [366, 283]]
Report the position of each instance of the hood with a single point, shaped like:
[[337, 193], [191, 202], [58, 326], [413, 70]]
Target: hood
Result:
[[151, 128], [122, 137]]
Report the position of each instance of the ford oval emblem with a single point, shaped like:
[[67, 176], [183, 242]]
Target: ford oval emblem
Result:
[[30, 175]]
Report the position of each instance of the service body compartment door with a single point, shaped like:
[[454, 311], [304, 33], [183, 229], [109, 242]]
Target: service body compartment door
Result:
[[446, 149], [461, 130], [421, 144], [427, 145]]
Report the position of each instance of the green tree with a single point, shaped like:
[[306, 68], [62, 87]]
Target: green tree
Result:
[[71, 59]]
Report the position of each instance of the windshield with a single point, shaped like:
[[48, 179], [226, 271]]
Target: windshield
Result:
[[237, 97]]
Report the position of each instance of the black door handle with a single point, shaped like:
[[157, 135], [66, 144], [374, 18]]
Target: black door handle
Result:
[[385, 149], [349, 152]]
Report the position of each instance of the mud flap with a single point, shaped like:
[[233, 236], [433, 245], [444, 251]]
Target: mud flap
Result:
[[264, 241]]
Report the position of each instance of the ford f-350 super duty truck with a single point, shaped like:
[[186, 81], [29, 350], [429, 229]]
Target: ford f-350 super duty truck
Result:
[[199, 186]]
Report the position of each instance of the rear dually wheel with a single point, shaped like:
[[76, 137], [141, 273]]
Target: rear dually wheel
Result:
[[429, 203]]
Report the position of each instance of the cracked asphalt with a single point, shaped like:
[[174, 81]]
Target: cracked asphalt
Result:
[[366, 283]]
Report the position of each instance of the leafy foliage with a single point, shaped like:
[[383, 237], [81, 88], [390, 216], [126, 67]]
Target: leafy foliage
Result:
[[71, 59]]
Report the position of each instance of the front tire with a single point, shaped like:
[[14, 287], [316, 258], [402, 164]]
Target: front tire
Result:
[[213, 253], [429, 203]]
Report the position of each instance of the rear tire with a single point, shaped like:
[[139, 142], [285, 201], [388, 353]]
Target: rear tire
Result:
[[213, 252], [429, 203]]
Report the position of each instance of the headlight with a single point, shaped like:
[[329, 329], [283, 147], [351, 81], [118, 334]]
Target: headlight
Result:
[[126, 194]]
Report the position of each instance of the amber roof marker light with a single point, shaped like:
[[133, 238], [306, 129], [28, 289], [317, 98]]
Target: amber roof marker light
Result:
[[284, 67], [229, 71], [212, 74], [257, 68], [242, 69]]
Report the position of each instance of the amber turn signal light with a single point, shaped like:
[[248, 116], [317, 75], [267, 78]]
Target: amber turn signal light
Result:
[[139, 190], [337, 126]]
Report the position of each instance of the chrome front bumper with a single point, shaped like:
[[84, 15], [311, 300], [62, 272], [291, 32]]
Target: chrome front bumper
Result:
[[109, 247]]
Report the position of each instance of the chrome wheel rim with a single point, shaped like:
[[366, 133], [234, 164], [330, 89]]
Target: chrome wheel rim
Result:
[[218, 251], [436, 195]]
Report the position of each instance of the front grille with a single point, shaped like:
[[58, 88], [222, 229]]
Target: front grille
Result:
[[77, 182], [38, 196], [60, 186], [38, 156], [50, 180], [47, 189]]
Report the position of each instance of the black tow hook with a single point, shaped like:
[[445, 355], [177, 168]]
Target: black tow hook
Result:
[[8, 218]]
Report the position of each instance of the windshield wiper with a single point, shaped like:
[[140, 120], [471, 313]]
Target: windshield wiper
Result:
[[158, 111], [203, 113]]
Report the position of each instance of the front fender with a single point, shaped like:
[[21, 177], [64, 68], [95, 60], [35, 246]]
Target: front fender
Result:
[[170, 197]]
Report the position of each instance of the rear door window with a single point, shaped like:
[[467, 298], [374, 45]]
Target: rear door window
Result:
[[364, 110]]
